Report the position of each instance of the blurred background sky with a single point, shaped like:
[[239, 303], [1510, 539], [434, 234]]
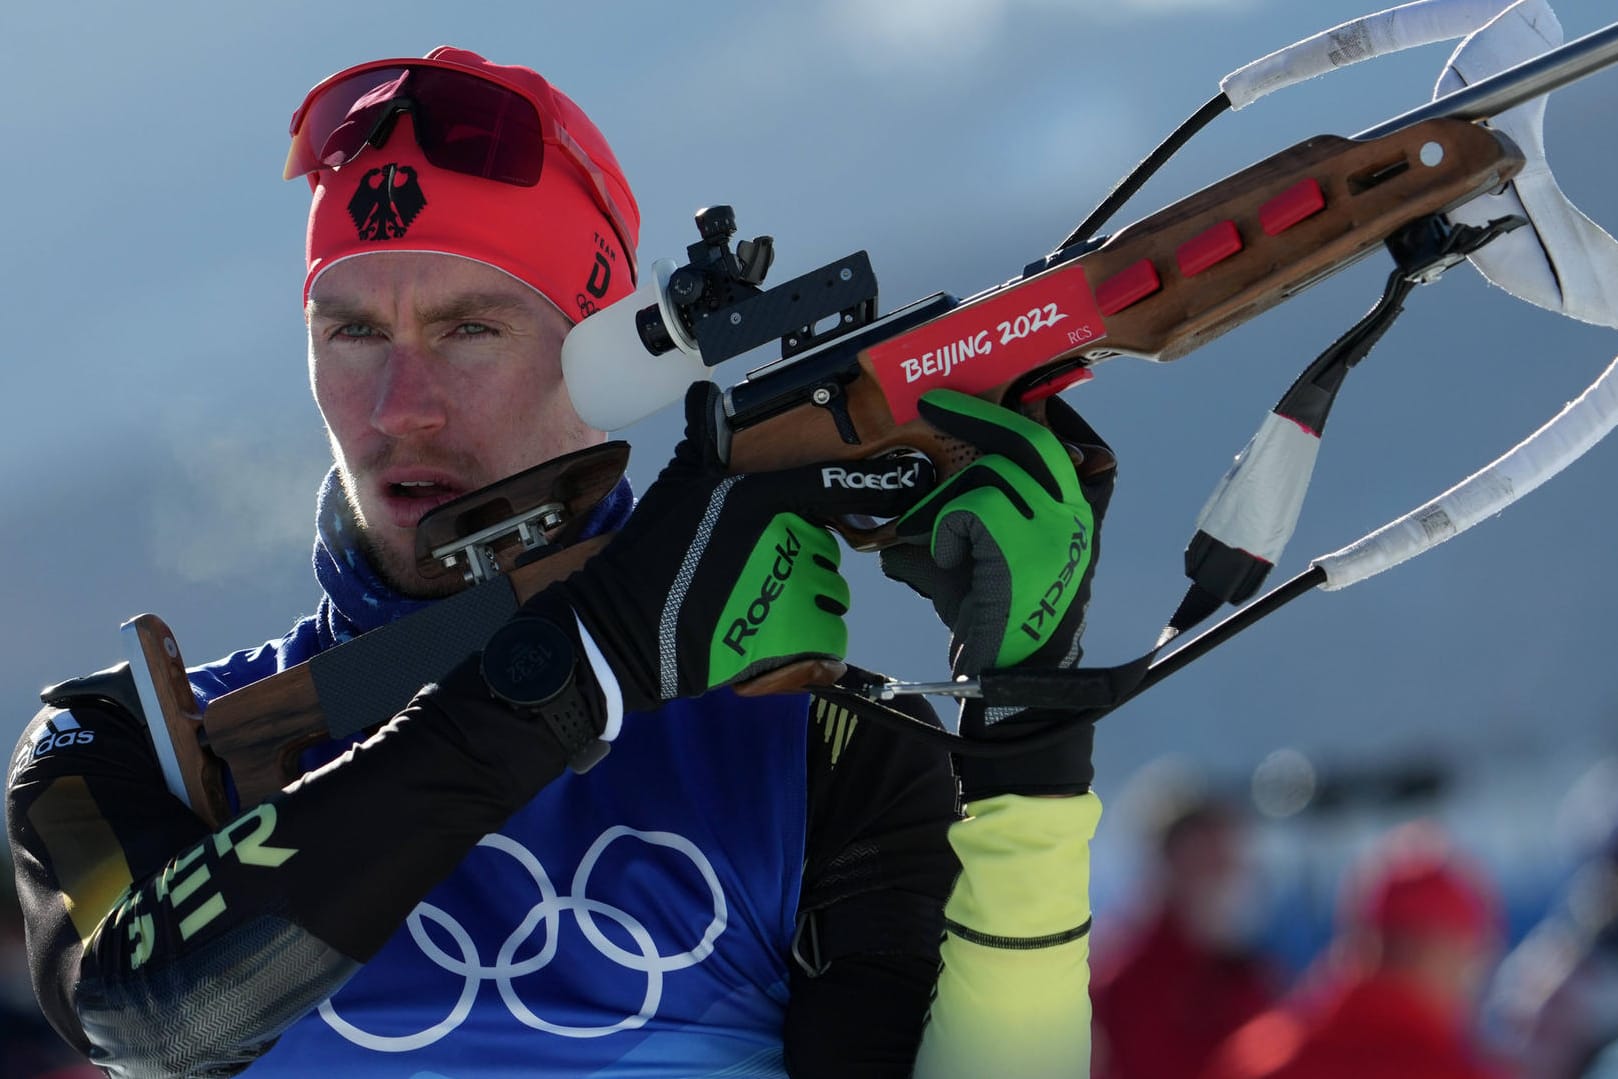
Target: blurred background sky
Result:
[[162, 452]]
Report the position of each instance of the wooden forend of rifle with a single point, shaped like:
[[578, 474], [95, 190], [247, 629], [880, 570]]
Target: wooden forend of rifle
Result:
[[1370, 189]]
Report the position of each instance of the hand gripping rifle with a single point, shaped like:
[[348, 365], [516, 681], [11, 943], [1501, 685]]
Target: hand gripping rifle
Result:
[[1426, 185]]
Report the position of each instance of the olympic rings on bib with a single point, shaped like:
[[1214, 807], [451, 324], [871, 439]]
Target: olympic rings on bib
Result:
[[644, 956]]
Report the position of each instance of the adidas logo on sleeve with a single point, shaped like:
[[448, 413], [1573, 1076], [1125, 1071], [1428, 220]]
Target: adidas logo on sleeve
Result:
[[61, 732]]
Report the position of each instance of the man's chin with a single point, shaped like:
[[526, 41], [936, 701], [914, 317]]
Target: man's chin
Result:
[[398, 571], [390, 549], [393, 556]]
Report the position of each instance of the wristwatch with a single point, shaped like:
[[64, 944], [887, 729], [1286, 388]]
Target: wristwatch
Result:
[[531, 664]]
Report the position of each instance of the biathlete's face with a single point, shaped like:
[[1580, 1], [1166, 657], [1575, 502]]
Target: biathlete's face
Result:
[[436, 375]]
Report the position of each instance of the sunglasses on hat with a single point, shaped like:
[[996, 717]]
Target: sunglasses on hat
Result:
[[467, 122]]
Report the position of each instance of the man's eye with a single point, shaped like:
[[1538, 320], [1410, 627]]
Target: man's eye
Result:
[[354, 329], [474, 329]]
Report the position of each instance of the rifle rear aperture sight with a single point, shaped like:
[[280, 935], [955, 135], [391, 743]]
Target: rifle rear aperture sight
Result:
[[713, 307], [713, 280]]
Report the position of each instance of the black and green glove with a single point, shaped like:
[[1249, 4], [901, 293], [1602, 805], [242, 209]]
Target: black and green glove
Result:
[[1005, 549], [717, 578]]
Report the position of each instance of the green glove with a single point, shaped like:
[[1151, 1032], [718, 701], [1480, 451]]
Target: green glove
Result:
[[1005, 549], [717, 578]]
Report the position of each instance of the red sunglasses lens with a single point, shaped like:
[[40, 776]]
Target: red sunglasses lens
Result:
[[463, 123], [473, 126], [335, 123]]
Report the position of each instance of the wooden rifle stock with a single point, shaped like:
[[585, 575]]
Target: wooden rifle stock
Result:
[[1158, 289]]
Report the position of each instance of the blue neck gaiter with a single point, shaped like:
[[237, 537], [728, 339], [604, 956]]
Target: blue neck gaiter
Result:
[[355, 597]]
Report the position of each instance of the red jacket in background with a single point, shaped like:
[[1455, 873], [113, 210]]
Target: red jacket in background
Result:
[[1164, 1003], [1378, 1026]]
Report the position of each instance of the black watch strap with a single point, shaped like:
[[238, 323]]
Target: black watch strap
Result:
[[568, 716], [531, 663]]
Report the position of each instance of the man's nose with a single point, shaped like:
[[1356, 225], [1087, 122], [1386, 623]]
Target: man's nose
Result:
[[410, 399]]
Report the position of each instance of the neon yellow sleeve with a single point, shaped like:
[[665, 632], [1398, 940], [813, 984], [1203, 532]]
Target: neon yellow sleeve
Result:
[[1013, 996]]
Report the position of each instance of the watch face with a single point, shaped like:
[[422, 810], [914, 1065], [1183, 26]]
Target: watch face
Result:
[[528, 661]]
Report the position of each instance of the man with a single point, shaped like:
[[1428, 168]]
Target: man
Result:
[[742, 885], [1418, 929], [1186, 961]]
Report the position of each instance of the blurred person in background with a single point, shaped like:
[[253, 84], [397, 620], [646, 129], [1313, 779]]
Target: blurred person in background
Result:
[[1187, 973], [1556, 994], [1395, 994]]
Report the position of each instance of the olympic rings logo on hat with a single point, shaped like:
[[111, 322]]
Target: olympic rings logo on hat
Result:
[[469, 965]]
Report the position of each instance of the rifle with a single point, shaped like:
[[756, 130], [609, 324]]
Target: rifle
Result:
[[1157, 290]]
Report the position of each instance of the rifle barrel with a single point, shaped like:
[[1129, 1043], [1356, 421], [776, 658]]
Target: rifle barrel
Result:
[[1515, 85]]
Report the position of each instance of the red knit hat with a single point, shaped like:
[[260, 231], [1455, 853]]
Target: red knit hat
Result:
[[1415, 882], [553, 235]]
